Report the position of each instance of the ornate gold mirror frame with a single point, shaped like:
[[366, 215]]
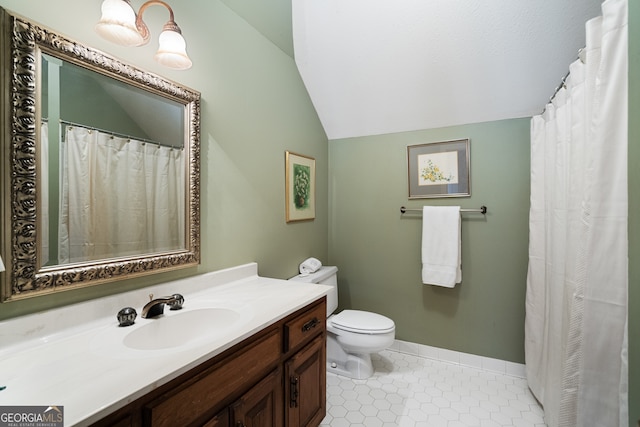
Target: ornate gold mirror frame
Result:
[[21, 44]]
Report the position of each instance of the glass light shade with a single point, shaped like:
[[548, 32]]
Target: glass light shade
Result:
[[1, 265], [118, 23], [172, 51]]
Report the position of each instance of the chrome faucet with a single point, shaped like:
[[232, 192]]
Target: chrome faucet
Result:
[[155, 307]]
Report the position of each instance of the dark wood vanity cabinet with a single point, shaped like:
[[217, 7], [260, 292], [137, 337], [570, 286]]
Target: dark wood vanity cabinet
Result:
[[277, 377], [220, 420]]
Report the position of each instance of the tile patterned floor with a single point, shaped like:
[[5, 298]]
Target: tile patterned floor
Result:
[[412, 391]]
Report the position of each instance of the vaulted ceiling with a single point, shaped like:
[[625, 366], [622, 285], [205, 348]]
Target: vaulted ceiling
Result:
[[385, 66]]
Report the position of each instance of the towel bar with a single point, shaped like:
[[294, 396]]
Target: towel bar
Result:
[[482, 210]]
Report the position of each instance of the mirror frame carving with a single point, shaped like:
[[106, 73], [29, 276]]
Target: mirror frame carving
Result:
[[21, 40]]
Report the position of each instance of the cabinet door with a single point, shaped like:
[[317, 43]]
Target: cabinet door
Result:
[[305, 382], [129, 419], [220, 420], [261, 406]]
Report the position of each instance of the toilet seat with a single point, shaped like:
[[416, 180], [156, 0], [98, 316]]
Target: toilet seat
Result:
[[362, 322]]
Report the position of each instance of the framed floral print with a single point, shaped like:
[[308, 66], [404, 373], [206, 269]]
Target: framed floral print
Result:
[[439, 169], [300, 187]]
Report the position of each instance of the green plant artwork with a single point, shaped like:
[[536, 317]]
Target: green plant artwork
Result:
[[433, 173], [301, 185]]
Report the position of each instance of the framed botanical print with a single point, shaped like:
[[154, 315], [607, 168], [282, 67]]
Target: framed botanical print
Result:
[[300, 187], [439, 169]]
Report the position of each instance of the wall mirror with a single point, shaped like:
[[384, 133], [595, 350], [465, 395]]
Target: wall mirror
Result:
[[100, 165]]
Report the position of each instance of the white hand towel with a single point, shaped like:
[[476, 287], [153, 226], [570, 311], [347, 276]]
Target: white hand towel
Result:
[[441, 246]]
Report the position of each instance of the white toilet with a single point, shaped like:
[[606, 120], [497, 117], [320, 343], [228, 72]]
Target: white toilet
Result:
[[352, 335]]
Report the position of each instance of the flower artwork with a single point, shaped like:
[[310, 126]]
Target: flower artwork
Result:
[[432, 173], [438, 168]]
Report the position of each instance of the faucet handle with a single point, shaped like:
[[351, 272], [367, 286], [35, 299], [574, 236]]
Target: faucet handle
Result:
[[176, 304], [127, 316]]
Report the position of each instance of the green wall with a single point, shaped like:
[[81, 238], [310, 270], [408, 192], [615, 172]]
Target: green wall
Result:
[[634, 213], [378, 250], [254, 107]]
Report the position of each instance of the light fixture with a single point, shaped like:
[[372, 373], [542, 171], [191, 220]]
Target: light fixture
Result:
[[1, 264], [120, 24]]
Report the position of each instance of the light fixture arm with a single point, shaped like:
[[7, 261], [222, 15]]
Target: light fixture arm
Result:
[[142, 27], [121, 24]]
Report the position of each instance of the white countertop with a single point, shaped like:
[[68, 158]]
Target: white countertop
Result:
[[74, 357]]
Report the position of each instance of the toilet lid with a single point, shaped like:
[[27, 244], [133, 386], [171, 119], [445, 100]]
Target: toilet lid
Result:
[[362, 322]]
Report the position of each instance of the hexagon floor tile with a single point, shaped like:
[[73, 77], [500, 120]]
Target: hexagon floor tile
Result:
[[412, 391]]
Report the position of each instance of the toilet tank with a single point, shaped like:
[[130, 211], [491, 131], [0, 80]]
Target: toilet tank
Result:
[[327, 275]]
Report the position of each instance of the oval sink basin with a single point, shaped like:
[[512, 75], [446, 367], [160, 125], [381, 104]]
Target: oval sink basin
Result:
[[173, 332], [181, 328]]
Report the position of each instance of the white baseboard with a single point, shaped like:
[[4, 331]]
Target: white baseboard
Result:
[[465, 359]]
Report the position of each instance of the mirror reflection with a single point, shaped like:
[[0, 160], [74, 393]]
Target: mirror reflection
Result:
[[112, 167]]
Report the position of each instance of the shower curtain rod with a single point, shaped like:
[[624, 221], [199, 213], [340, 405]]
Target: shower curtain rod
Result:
[[116, 134], [563, 82], [482, 210]]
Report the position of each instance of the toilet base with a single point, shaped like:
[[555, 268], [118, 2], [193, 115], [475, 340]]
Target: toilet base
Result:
[[357, 366], [352, 365]]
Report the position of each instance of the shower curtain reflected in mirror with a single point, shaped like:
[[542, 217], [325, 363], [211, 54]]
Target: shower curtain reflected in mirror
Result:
[[118, 197], [577, 284]]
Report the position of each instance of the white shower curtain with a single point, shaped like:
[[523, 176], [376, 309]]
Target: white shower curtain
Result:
[[119, 197], [576, 301]]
